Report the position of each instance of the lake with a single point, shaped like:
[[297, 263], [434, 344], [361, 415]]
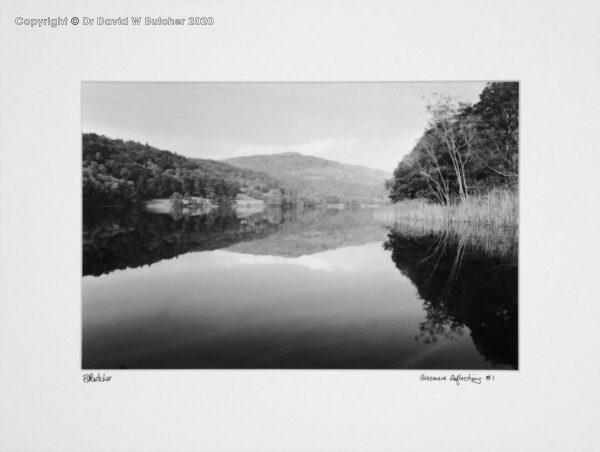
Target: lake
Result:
[[295, 289]]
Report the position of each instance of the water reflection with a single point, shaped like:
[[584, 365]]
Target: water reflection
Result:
[[309, 288], [462, 285], [120, 238]]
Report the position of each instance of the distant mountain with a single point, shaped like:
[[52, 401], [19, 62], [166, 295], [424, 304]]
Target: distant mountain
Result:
[[314, 177]]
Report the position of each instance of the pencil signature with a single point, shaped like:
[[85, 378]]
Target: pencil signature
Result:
[[90, 378]]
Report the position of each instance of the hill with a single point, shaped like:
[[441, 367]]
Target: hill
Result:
[[254, 183], [316, 178], [121, 172]]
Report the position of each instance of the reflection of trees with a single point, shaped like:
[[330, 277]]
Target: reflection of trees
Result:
[[461, 286], [310, 231], [116, 238]]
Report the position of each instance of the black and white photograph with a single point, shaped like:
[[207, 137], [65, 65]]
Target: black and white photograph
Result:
[[300, 225], [335, 225]]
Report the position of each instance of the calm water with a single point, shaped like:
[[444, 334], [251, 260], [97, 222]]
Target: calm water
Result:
[[320, 289]]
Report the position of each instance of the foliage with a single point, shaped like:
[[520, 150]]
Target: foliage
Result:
[[465, 150], [124, 172], [254, 183]]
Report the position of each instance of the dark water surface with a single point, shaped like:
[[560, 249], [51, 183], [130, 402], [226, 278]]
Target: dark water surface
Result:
[[295, 289]]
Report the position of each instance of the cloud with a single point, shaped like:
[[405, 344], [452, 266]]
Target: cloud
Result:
[[312, 262]]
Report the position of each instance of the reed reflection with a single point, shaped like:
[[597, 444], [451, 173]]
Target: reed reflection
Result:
[[463, 282]]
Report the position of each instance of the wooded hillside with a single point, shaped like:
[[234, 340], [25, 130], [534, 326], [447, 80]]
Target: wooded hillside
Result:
[[466, 149], [316, 180], [123, 172]]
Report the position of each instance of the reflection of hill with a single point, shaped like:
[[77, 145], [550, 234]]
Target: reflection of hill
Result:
[[462, 286], [313, 231], [115, 238], [122, 238]]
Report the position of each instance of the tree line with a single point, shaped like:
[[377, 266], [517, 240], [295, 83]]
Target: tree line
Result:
[[125, 172], [465, 150]]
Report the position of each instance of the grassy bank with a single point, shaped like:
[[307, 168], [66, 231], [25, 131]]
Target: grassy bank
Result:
[[496, 208], [489, 222]]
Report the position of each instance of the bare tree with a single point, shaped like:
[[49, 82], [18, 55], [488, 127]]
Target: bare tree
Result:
[[456, 133], [433, 175]]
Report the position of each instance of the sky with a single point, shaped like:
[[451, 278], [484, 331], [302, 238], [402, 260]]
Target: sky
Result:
[[369, 124]]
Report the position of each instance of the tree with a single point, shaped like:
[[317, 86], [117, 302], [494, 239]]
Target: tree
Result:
[[498, 110], [451, 124], [118, 172], [465, 148]]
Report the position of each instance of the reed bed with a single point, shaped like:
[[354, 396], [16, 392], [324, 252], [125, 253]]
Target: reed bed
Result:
[[490, 239], [496, 208], [488, 222]]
